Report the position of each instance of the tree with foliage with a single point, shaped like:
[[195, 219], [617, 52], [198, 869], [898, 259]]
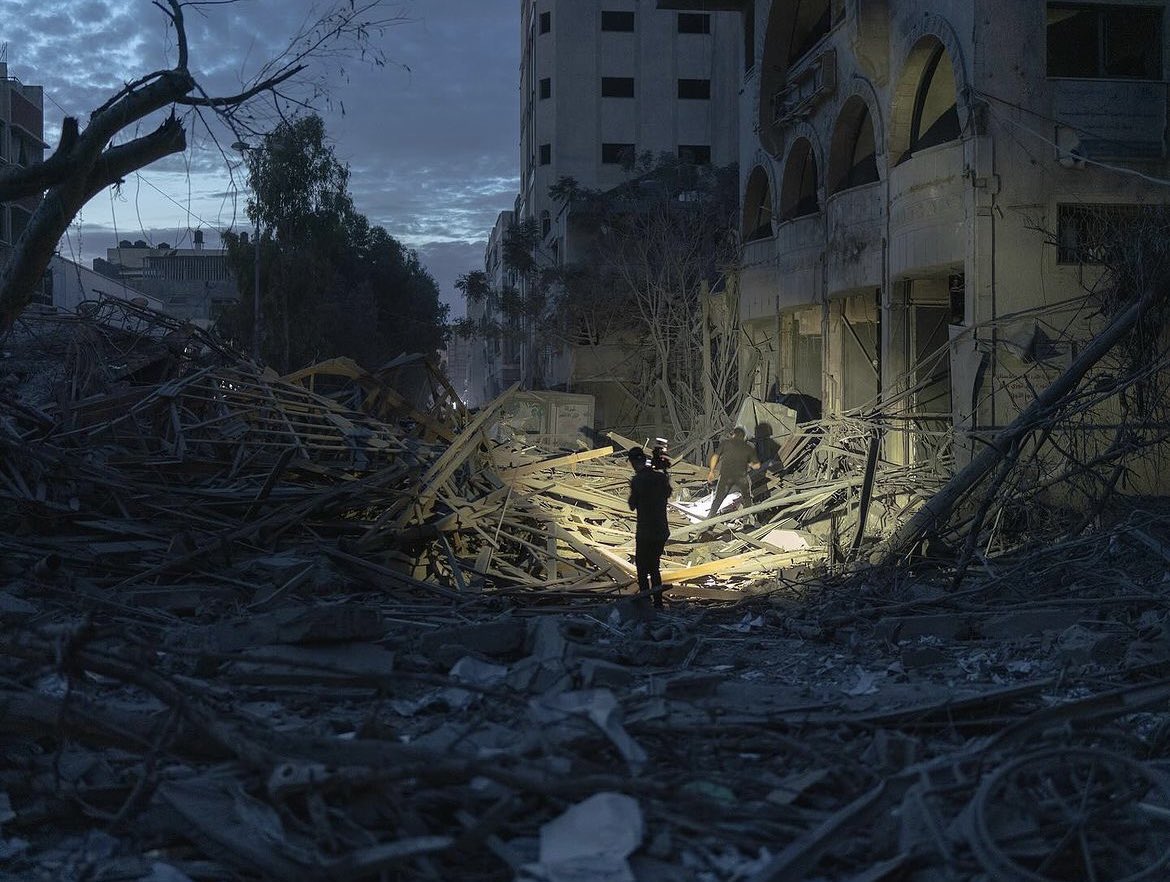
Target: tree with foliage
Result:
[[517, 311], [111, 146], [663, 242], [330, 283]]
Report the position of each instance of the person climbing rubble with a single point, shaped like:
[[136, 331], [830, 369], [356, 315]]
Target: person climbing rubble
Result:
[[733, 459]]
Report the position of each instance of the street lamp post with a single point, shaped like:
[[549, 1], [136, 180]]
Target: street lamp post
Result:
[[247, 148]]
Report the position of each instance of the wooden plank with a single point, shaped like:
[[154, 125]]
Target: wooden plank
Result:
[[555, 462], [792, 500], [749, 562], [453, 457]]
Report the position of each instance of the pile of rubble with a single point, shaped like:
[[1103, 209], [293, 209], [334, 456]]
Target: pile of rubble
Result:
[[255, 627]]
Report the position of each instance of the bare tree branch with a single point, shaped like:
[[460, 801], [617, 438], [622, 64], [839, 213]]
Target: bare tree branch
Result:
[[85, 162]]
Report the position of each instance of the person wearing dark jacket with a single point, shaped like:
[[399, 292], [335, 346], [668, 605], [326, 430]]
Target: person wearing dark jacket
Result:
[[649, 492], [733, 460]]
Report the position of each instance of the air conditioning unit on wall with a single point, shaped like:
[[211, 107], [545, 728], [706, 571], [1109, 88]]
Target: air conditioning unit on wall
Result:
[[808, 89]]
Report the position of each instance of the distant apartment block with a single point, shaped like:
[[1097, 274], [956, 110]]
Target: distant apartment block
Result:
[[194, 283]]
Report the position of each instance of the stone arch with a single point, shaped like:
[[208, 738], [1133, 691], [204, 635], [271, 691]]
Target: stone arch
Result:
[[800, 186], [930, 45], [758, 205], [853, 151], [794, 28]]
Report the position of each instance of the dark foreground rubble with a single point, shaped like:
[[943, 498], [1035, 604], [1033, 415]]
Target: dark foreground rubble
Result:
[[343, 733], [255, 628]]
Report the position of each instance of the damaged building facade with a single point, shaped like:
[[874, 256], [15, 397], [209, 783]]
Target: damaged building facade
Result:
[[921, 182]]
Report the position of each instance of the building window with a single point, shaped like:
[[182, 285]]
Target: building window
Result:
[[694, 23], [936, 113], [546, 154], [695, 154], [1092, 234], [3, 141], [798, 195], [617, 87], [812, 22], [757, 206], [545, 22], [617, 21], [617, 154], [853, 160], [545, 224], [545, 88], [1122, 42], [694, 89]]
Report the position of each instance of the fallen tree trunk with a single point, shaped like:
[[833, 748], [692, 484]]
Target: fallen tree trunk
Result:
[[1038, 414]]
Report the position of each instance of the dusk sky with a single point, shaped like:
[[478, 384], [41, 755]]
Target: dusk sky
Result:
[[430, 138]]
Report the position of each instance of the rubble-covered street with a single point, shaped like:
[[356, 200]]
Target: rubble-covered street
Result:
[[254, 631]]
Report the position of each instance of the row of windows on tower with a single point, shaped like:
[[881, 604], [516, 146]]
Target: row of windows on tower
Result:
[[615, 20], [624, 154], [623, 87]]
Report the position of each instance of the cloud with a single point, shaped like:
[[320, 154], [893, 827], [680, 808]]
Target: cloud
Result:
[[430, 135]]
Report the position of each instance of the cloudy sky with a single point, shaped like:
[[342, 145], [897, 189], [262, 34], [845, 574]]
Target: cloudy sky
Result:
[[429, 135]]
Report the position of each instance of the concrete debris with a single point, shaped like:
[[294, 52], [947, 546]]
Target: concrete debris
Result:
[[252, 631], [590, 842]]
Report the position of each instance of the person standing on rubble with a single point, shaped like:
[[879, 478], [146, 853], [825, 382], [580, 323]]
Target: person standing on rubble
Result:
[[649, 492], [733, 459]]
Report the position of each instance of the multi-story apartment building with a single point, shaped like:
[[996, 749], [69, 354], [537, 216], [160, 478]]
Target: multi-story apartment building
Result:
[[919, 177], [22, 131], [604, 83]]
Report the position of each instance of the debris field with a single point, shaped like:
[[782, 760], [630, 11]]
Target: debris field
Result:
[[307, 628]]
